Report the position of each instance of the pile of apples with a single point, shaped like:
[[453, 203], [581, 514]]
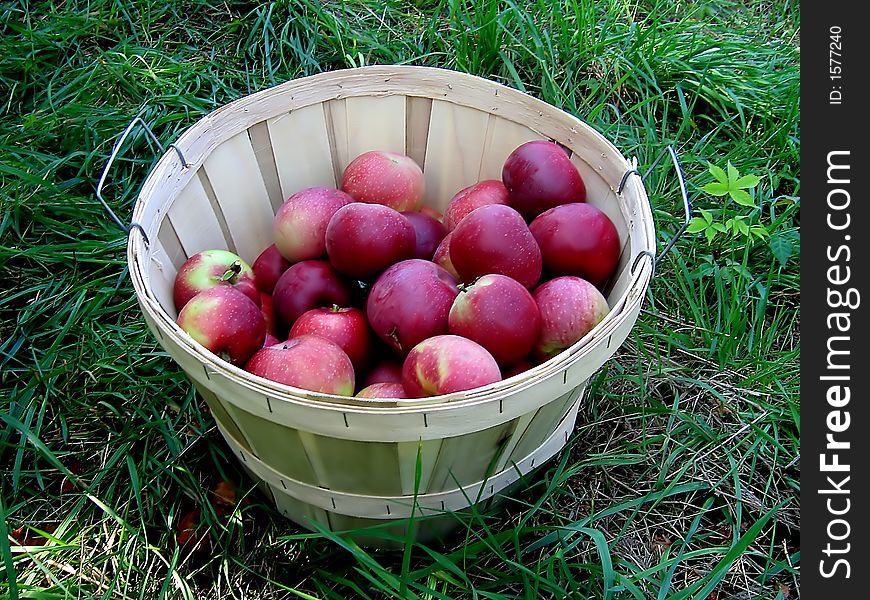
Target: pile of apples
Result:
[[365, 291]]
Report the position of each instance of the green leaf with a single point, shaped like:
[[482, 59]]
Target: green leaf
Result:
[[708, 216], [747, 181], [781, 247], [719, 227], [742, 227], [710, 233], [696, 224], [742, 198], [759, 231], [718, 173], [716, 188], [733, 176]]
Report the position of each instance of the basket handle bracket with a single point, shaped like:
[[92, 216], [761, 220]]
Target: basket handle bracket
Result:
[[116, 149], [687, 204]]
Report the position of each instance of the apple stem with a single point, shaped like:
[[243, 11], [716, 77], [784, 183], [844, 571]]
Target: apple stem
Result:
[[232, 272]]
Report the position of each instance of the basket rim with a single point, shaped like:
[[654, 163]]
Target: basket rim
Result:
[[137, 248]]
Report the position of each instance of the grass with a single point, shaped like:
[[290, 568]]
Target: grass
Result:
[[682, 477]]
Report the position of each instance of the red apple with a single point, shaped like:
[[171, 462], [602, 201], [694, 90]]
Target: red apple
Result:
[[495, 239], [308, 362], [225, 321], [347, 327], [386, 371], [410, 302], [364, 239], [498, 313], [442, 256], [211, 268], [268, 311], [270, 340], [577, 239], [444, 364], [268, 267], [540, 175], [383, 390], [433, 212], [521, 367], [488, 191], [306, 285], [570, 307], [429, 233], [299, 228], [387, 178]]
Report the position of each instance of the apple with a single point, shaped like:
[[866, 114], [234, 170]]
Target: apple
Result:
[[488, 191], [520, 367], [387, 178], [433, 212], [225, 321], [364, 239], [270, 340], [383, 390], [429, 233], [386, 371], [444, 364], [268, 311], [305, 285], [299, 227], [540, 175], [308, 362], [577, 239], [347, 327], [409, 302], [268, 267], [211, 268], [498, 313], [442, 256], [570, 307], [495, 239]]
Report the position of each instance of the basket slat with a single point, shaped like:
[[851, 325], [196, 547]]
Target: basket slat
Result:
[[454, 151], [502, 136], [462, 459], [300, 142], [167, 237], [546, 420], [194, 221], [418, 113], [375, 123], [162, 272], [407, 453], [364, 467], [238, 187], [261, 142]]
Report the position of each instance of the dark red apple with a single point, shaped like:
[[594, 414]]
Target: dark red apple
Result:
[[521, 367], [225, 321], [299, 228], [211, 268], [570, 307], [498, 313], [442, 256], [488, 191], [444, 364], [270, 340], [308, 362], [577, 239], [364, 239], [268, 311], [410, 302], [429, 233], [347, 327], [433, 212], [540, 175], [306, 285], [387, 178], [386, 371], [268, 268], [383, 390], [495, 239]]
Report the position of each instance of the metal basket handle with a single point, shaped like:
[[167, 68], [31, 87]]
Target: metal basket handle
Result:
[[115, 151]]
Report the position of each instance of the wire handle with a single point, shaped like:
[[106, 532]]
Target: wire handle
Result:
[[687, 204], [115, 151]]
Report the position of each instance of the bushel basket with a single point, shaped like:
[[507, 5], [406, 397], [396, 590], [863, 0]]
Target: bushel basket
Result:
[[349, 462]]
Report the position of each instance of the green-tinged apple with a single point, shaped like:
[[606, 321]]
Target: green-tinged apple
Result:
[[299, 228], [570, 307], [444, 364], [383, 390], [211, 268]]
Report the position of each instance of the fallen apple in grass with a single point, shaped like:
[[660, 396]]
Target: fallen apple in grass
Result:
[[387, 178], [488, 191], [577, 239], [299, 227], [305, 285], [347, 327], [498, 313], [539, 175], [308, 362], [570, 307], [444, 364], [226, 322], [364, 239], [410, 302], [211, 268], [495, 239]]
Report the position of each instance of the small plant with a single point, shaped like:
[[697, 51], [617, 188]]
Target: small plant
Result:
[[726, 221]]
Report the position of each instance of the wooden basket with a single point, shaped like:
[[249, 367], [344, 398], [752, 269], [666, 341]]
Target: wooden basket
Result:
[[347, 462]]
